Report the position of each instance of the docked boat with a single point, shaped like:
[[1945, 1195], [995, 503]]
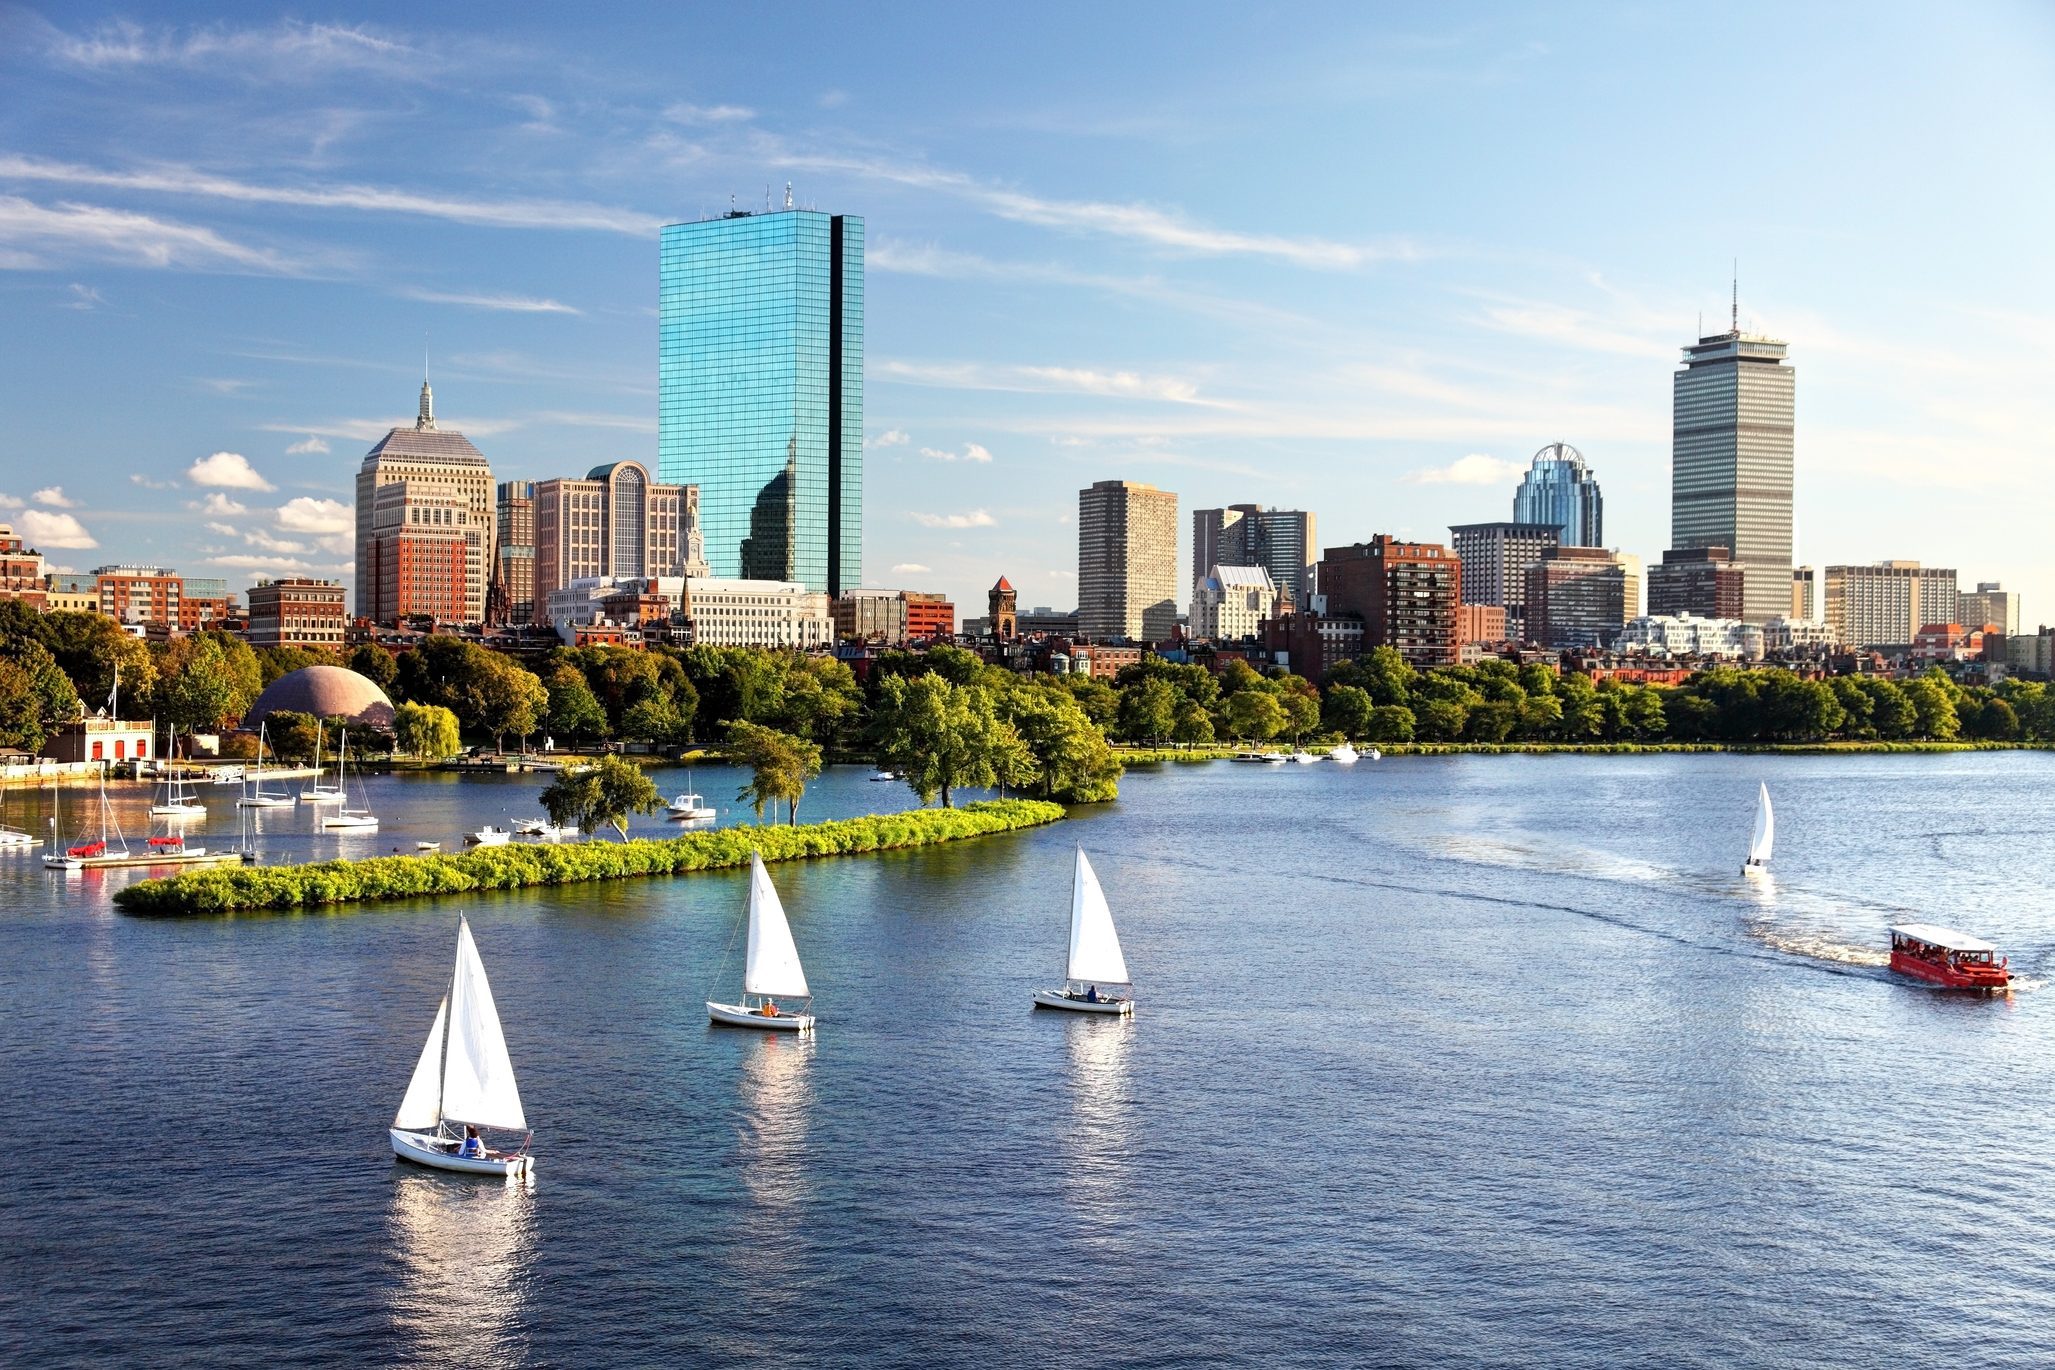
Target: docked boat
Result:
[[179, 799], [110, 850], [427, 846], [551, 832], [530, 827], [490, 835], [318, 793], [16, 839], [1945, 957], [772, 970], [255, 796], [881, 775], [1763, 838], [1373, 755], [690, 807], [347, 817], [463, 1082], [1303, 757], [1095, 957], [1345, 755]]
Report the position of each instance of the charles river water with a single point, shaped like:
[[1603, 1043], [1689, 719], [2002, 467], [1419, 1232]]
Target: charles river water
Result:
[[1468, 1061]]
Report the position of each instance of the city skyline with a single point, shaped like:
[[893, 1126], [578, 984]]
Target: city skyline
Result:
[[1054, 296]]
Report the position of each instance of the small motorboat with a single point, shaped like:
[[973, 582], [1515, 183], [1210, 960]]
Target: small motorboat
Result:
[[489, 836], [1095, 957], [690, 807], [1274, 758], [428, 846], [530, 827], [1951, 959], [464, 1080], [1373, 755], [772, 969], [1344, 755], [551, 832], [881, 776], [1763, 838], [1303, 757]]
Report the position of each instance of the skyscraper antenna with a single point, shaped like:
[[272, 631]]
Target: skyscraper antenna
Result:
[[1737, 297], [788, 195]]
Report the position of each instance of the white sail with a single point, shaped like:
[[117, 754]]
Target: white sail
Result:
[[773, 966], [421, 1110], [477, 1077], [1094, 945], [1765, 831]]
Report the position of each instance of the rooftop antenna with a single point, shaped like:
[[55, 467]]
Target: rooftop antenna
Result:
[[788, 195], [1737, 297], [767, 197]]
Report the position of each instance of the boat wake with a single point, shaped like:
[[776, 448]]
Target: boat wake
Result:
[[1814, 944]]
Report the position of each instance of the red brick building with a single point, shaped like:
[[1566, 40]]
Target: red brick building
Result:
[[423, 543], [140, 594], [21, 570], [929, 616], [1406, 593], [1481, 622], [297, 612]]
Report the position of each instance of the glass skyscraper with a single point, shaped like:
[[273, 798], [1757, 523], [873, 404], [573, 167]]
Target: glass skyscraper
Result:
[[1560, 492], [760, 390]]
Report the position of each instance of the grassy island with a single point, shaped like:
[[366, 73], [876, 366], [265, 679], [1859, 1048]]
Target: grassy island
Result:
[[327, 883]]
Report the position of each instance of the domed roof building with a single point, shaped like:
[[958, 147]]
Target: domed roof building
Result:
[[325, 692]]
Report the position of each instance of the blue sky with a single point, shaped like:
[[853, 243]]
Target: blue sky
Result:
[[1364, 260]]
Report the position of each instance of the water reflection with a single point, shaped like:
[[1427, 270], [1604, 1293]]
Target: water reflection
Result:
[[771, 1130], [1100, 1131], [466, 1251]]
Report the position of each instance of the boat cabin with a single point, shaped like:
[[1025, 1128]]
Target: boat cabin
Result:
[[1947, 957]]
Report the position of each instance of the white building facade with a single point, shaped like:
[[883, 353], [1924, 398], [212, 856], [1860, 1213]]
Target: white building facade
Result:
[[1686, 635], [758, 613], [1230, 602]]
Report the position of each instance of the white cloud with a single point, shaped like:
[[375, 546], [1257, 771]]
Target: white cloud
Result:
[[971, 452], [84, 297], [221, 506], [247, 561], [307, 445], [687, 113], [512, 304], [976, 518], [912, 568], [222, 529], [1063, 575], [182, 180], [54, 496], [1046, 380], [895, 437], [229, 470], [290, 44], [257, 537], [309, 515], [149, 484], [1474, 469], [30, 233], [976, 452], [40, 528]]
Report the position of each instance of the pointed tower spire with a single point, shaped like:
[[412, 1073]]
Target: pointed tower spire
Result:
[[426, 422]]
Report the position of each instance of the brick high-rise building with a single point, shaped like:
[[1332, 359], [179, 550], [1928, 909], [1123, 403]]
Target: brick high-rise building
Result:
[[513, 552], [433, 461], [1495, 559], [1126, 561], [1705, 582], [1406, 593], [1576, 597], [614, 522], [297, 612], [426, 541], [140, 594], [206, 601]]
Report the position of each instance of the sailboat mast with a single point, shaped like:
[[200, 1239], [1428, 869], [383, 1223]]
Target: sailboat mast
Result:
[[442, 1074]]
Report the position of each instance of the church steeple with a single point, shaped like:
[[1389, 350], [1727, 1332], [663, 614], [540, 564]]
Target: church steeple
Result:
[[426, 423]]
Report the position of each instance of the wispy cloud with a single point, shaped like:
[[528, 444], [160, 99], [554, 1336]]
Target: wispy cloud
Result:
[[910, 568], [895, 437], [222, 506], [1474, 469], [513, 304], [125, 46], [972, 452], [250, 561], [40, 528], [257, 537], [684, 112], [227, 470], [84, 297], [34, 236], [976, 518], [629, 423], [371, 430], [308, 446], [173, 179], [149, 484], [54, 497], [1132, 385]]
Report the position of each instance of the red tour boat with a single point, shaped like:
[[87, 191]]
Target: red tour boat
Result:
[[1947, 957]]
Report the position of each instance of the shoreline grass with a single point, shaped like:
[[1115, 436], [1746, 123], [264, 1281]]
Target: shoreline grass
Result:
[[328, 884], [1142, 756]]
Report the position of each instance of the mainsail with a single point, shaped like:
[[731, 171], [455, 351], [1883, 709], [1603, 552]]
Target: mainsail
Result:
[[477, 1076], [1765, 830], [773, 965], [1094, 946], [421, 1110]]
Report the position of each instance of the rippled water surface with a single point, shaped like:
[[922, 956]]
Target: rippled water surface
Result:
[[1458, 1061]]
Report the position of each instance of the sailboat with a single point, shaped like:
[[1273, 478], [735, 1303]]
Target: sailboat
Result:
[[178, 800], [464, 1079], [1764, 836], [318, 793], [1095, 957], [773, 967], [347, 817], [17, 839], [254, 796]]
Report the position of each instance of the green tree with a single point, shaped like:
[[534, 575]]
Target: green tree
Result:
[[45, 691], [1148, 711], [91, 650], [1441, 720], [1997, 721], [573, 711], [1254, 715], [821, 698], [428, 731], [1301, 711], [604, 795], [292, 734], [375, 664], [1932, 709], [1492, 720], [779, 766], [1347, 710], [1194, 727], [1072, 762], [1100, 701], [200, 694], [21, 712], [273, 662], [654, 719], [506, 699], [945, 737], [1390, 723], [1387, 676], [1891, 710], [1237, 676]]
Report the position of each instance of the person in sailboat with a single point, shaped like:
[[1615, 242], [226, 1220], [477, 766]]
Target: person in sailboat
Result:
[[1091, 994], [770, 1008], [474, 1145]]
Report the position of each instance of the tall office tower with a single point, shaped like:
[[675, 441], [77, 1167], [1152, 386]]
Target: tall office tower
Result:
[[513, 554], [1989, 605], [1560, 492], [760, 390], [1885, 605], [1576, 597], [1283, 542], [1730, 461], [1805, 593], [430, 460], [1495, 559], [1704, 582], [614, 522], [426, 545], [1126, 561]]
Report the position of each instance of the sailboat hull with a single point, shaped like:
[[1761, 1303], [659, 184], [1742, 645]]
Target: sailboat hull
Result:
[[1056, 998], [735, 1015], [264, 801], [425, 1148], [178, 810]]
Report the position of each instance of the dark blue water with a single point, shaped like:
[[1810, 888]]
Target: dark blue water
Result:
[[1458, 1061]]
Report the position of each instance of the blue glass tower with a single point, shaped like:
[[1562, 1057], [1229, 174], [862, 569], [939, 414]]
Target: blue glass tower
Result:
[[1560, 492], [760, 390]]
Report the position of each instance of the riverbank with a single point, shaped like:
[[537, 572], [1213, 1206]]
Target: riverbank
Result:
[[325, 884], [1142, 756]]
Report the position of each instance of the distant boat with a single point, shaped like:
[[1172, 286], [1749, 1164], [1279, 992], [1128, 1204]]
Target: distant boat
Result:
[[1954, 960], [1344, 754], [691, 807], [178, 800], [463, 1080], [1095, 957], [1303, 757], [256, 797], [530, 827], [881, 775], [428, 846], [489, 836], [551, 832], [1764, 837], [347, 817], [1373, 755], [772, 969], [318, 793], [15, 839]]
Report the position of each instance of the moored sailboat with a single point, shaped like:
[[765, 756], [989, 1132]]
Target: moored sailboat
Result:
[[347, 817], [179, 799], [771, 970], [1763, 838], [318, 793], [463, 1081], [255, 796], [1094, 958]]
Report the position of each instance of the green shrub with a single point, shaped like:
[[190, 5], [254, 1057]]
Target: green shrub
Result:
[[234, 889]]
